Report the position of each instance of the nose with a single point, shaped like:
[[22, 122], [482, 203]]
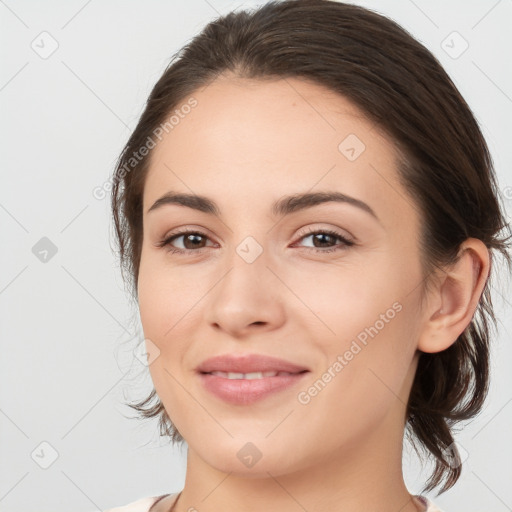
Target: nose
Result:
[[247, 298]]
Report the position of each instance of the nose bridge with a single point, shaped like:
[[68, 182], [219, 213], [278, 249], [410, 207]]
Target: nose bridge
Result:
[[249, 246], [249, 250], [248, 270], [248, 292]]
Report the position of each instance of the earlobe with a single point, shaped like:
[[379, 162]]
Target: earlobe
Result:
[[456, 297]]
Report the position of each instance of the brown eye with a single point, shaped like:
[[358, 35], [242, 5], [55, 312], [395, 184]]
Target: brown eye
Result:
[[324, 240], [192, 241]]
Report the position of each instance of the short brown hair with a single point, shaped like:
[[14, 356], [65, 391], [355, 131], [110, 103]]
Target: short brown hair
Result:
[[446, 168]]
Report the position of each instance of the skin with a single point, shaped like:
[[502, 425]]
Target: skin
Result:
[[245, 145]]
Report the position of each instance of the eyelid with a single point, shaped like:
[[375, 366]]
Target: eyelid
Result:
[[309, 229], [335, 231], [188, 229], [182, 232], [346, 241]]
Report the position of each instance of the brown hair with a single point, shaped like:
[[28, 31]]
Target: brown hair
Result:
[[445, 167]]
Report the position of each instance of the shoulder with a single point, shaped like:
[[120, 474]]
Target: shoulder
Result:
[[141, 505]]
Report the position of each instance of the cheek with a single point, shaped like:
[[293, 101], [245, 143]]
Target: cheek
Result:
[[167, 313], [152, 302], [365, 316], [363, 376], [345, 299], [168, 297]]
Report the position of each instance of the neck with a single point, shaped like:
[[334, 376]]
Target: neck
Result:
[[364, 473], [366, 477]]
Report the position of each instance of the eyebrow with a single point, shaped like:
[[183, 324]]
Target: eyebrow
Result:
[[283, 206]]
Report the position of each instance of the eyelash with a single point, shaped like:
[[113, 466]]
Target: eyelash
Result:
[[345, 242]]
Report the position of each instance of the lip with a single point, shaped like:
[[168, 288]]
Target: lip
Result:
[[245, 392], [248, 363], [248, 391]]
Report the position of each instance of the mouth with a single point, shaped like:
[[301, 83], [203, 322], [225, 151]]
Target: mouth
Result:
[[250, 375], [243, 379], [240, 389], [248, 364]]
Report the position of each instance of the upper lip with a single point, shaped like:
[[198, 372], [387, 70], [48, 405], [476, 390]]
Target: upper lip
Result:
[[248, 363]]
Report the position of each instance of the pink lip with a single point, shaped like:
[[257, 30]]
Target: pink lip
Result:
[[248, 363], [247, 391], [244, 391]]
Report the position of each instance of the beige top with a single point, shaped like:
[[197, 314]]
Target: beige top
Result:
[[150, 504], [165, 502]]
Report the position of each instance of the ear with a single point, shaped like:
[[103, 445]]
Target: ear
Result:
[[453, 300]]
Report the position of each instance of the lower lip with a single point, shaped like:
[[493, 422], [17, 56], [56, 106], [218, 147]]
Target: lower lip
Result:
[[248, 391]]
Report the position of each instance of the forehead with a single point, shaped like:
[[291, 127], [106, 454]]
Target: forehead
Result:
[[265, 139]]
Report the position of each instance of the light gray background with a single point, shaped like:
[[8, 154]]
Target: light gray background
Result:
[[67, 337]]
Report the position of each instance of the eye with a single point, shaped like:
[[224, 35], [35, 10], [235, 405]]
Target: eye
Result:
[[327, 236], [192, 241]]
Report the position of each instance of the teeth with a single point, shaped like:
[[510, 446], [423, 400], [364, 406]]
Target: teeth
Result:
[[248, 376]]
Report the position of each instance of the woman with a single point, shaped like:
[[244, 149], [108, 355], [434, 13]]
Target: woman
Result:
[[307, 212]]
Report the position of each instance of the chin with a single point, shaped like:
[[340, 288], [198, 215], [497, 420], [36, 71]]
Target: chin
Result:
[[250, 459]]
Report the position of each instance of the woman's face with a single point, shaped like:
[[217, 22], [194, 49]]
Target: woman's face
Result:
[[257, 280]]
